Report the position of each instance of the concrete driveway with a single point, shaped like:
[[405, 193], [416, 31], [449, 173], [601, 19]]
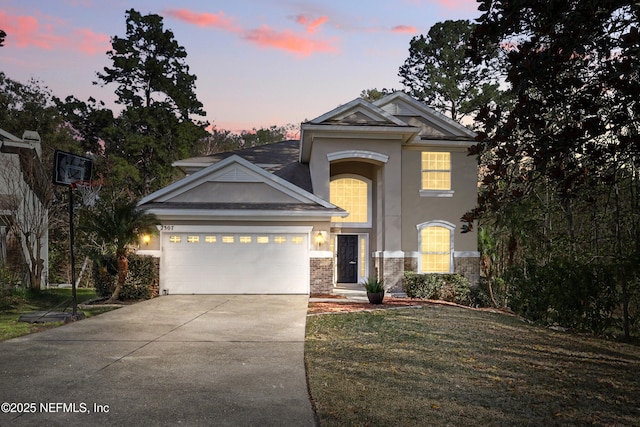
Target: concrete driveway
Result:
[[223, 360]]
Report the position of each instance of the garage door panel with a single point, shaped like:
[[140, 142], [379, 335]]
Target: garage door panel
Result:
[[248, 263]]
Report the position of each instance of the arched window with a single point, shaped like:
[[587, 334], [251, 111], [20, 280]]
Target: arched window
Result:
[[354, 196], [435, 240]]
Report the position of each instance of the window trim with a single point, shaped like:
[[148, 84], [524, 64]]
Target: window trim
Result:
[[426, 192], [369, 184], [436, 223]]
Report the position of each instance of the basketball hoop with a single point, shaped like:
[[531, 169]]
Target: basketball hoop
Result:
[[88, 189]]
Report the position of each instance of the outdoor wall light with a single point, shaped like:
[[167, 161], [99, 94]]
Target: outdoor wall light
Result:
[[320, 238], [146, 239]]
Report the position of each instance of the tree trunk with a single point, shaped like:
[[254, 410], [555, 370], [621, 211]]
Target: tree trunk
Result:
[[123, 270], [486, 266]]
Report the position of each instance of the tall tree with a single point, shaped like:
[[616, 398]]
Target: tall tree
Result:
[[149, 68], [439, 72], [88, 121], [158, 92], [2, 37], [570, 146]]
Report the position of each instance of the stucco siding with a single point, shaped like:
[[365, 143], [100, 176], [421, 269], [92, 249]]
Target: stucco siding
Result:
[[417, 209], [319, 164]]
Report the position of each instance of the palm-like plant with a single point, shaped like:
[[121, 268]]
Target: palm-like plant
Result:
[[117, 226]]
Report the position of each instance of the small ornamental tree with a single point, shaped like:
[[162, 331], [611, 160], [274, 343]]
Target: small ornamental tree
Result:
[[116, 227]]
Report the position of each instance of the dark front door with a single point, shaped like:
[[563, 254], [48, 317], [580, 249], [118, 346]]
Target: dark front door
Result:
[[347, 258]]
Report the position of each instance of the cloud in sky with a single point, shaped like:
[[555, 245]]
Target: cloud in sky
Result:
[[310, 25], [214, 20], [24, 31], [404, 29], [91, 43], [265, 36], [456, 4], [447, 4], [289, 41]]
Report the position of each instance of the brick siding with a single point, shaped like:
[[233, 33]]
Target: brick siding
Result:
[[321, 277]]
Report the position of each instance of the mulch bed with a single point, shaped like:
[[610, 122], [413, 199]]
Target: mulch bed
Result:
[[341, 304]]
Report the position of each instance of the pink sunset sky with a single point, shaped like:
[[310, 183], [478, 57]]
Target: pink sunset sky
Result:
[[258, 63]]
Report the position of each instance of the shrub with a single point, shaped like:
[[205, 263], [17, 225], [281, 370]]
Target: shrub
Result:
[[481, 297], [138, 285], [139, 280], [569, 293], [447, 287]]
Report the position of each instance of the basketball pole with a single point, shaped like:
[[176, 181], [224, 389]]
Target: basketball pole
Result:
[[70, 169], [73, 257]]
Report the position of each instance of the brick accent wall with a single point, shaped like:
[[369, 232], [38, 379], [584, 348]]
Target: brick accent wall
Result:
[[410, 263], [392, 273], [321, 276], [155, 286], [469, 267]]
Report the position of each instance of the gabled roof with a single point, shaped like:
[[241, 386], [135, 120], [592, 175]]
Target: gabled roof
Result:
[[356, 119], [358, 112], [293, 200], [279, 158], [6, 136], [434, 125], [28, 150]]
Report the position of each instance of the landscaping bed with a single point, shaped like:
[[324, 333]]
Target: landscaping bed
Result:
[[333, 304]]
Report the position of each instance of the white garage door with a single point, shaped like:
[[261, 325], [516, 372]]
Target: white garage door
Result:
[[234, 261]]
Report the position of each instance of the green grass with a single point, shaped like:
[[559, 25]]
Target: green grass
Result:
[[25, 301], [447, 366]]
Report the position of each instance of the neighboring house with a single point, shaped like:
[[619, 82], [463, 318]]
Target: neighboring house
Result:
[[24, 195], [370, 189]]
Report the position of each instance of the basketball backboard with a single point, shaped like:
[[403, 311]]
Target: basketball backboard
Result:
[[69, 168]]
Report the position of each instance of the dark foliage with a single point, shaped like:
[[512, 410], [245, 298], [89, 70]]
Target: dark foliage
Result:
[[139, 282]]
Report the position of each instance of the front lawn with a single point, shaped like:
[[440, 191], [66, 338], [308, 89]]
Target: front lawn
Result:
[[12, 306], [450, 366]]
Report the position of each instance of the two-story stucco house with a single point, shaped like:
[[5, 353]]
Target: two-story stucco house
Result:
[[370, 189]]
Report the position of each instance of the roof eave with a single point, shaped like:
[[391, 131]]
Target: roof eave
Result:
[[243, 214]]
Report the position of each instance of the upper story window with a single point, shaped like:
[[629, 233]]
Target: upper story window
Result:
[[436, 173], [436, 247], [354, 196]]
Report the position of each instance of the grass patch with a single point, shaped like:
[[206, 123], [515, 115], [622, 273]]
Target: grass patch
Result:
[[442, 365], [25, 301]]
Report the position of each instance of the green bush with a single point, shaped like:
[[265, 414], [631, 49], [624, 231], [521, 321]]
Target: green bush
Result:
[[481, 297], [573, 294], [447, 287], [138, 283], [479, 294]]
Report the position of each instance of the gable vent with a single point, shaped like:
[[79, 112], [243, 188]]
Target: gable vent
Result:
[[235, 174]]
